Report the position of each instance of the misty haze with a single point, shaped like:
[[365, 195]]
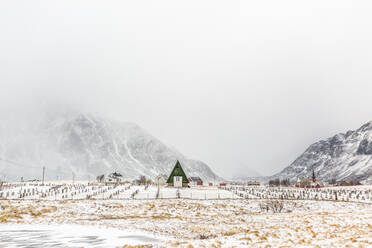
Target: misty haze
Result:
[[155, 108]]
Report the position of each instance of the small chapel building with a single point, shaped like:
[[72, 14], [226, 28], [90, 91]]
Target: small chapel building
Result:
[[178, 178]]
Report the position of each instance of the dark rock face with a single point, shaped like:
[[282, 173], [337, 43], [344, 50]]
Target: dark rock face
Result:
[[365, 147], [341, 157]]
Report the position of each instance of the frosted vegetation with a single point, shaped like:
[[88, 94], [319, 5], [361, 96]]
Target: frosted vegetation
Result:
[[86, 191], [234, 215]]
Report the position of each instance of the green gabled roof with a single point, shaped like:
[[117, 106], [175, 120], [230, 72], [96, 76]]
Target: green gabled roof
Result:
[[177, 171]]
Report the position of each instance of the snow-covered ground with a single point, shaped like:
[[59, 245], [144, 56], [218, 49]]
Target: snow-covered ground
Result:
[[85, 190], [192, 217], [81, 191], [25, 235], [350, 193]]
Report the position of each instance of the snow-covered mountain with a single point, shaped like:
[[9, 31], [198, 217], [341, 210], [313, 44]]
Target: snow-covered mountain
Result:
[[86, 145], [342, 157]]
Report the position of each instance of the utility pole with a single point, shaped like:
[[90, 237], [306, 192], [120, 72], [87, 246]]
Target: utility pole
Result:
[[73, 178], [43, 174]]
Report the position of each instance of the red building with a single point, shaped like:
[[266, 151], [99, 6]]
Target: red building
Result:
[[195, 181]]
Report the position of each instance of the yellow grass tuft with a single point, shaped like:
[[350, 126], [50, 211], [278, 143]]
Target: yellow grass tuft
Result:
[[137, 246]]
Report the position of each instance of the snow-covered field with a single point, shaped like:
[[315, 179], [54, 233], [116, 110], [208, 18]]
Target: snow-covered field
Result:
[[350, 193], [43, 235], [83, 191], [193, 217]]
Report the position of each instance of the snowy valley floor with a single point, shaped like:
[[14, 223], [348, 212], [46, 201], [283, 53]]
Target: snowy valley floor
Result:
[[184, 223]]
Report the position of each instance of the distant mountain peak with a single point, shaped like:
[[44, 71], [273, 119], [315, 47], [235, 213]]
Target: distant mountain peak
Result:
[[342, 157], [89, 145], [365, 127]]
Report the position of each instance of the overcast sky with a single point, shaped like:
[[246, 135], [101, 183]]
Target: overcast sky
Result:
[[240, 85]]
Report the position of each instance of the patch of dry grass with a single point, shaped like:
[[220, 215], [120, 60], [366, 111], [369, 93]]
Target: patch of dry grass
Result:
[[11, 213], [137, 246], [205, 222]]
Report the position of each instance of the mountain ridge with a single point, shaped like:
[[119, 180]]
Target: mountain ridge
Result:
[[88, 145], [344, 156]]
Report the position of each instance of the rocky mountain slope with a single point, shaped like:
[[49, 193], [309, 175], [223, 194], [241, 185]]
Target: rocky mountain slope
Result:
[[87, 145], [342, 157]]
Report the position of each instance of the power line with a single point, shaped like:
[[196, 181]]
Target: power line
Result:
[[26, 166], [37, 167], [16, 163]]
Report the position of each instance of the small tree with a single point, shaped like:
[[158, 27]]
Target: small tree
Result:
[[333, 181], [142, 180], [314, 178], [149, 181], [276, 206], [285, 182], [274, 182]]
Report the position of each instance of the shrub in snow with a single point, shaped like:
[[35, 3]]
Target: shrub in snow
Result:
[[276, 206]]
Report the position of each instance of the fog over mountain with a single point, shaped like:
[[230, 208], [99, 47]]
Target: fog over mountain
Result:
[[86, 145], [244, 86]]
